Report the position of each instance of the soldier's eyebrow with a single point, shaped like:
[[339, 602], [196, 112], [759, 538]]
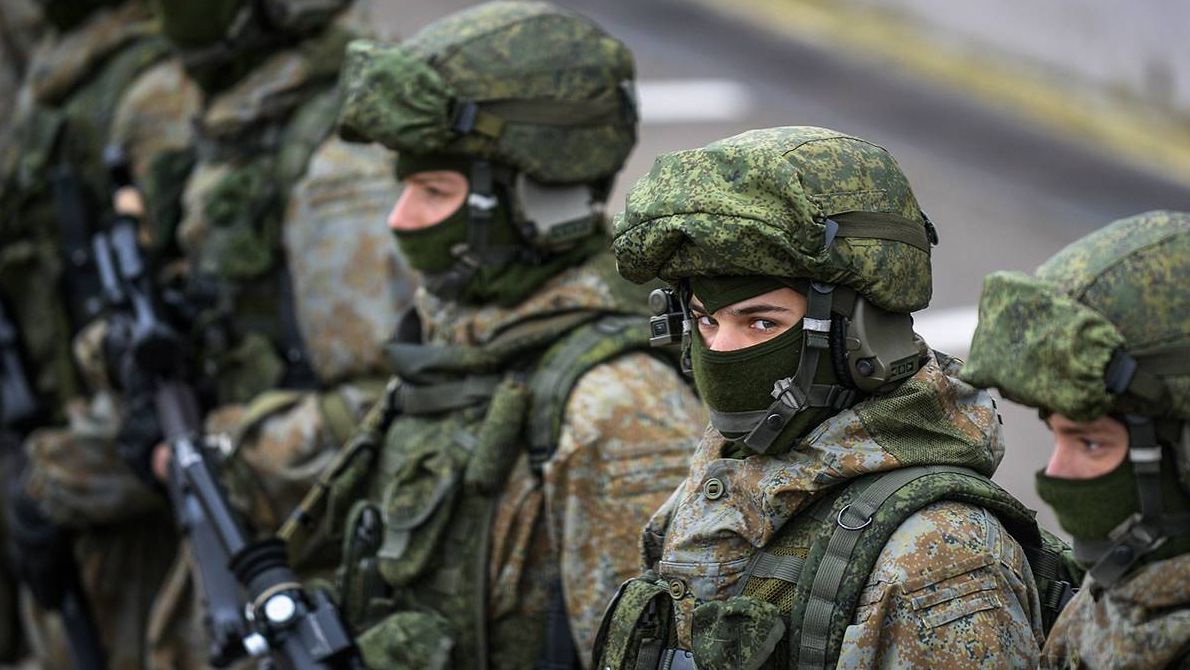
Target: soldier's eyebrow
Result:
[[761, 308]]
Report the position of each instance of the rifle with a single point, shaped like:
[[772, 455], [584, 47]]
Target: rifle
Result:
[[44, 551], [254, 601]]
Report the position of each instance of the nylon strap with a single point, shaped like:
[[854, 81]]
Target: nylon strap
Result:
[[772, 566], [883, 226], [852, 520], [447, 396], [490, 117]]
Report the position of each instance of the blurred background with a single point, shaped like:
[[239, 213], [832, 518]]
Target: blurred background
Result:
[[1022, 124]]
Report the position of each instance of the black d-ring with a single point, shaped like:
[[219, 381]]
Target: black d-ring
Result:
[[839, 520]]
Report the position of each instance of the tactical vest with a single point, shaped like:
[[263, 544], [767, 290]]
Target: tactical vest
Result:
[[417, 550], [45, 262], [801, 591]]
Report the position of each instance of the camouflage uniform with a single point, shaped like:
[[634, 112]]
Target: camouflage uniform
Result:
[[72, 104], [533, 432], [728, 555], [258, 198], [1103, 330]]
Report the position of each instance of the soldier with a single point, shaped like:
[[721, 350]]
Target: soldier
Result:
[[261, 229], [53, 186], [1099, 341], [837, 512], [531, 432]]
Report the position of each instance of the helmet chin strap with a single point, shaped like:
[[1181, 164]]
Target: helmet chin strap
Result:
[[1143, 532], [796, 394]]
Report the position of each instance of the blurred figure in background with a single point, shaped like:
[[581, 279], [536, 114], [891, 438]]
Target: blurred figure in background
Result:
[[486, 521], [264, 228], [75, 101], [1099, 341]]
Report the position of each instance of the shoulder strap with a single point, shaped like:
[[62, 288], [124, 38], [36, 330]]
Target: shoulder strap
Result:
[[564, 363], [861, 520]]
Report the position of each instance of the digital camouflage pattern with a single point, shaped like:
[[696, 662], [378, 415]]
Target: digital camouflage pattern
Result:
[[1046, 342], [255, 183], [757, 204], [626, 433], [325, 228], [74, 101], [1141, 623], [950, 585], [553, 91]]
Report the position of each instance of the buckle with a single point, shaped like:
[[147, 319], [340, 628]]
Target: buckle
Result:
[[463, 116]]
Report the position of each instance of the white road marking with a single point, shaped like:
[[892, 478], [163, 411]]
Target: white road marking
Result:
[[693, 100], [948, 330]]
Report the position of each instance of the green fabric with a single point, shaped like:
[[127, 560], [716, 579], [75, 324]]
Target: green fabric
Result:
[[917, 427], [408, 640], [1089, 509], [735, 634], [428, 250], [716, 293], [742, 380], [409, 163], [1045, 342], [1041, 348], [757, 204], [499, 55], [638, 622]]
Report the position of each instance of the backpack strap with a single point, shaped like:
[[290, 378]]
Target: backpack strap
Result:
[[564, 363], [839, 563]]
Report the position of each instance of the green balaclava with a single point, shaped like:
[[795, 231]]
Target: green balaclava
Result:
[[742, 380], [1090, 509], [433, 251]]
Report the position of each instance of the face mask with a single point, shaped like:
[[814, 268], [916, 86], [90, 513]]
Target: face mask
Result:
[[1089, 509], [431, 250]]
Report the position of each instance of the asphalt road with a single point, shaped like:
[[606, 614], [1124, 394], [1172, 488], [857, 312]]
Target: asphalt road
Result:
[[1003, 194]]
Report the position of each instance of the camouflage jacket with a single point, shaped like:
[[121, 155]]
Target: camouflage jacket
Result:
[[624, 440], [298, 207], [950, 588], [1143, 622]]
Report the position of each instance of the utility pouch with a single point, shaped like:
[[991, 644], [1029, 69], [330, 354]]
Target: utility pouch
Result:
[[409, 640], [736, 634], [416, 507], [361, 588], [637, 626]]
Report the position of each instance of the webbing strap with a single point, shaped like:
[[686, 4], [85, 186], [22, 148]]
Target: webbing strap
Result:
[[883, 226], [447, 396], [851, 522], [772, 566], [489, 117]]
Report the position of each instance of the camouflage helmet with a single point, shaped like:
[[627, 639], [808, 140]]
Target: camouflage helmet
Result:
[[795, 202], [1103, 327], [523, 84], [212, 33]]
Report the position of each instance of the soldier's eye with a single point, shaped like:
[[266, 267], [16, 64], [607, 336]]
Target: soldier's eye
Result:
[[705, 321], [764, 325]]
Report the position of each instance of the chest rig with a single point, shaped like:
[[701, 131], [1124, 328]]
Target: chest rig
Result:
[[801, 591], [418, 549]]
